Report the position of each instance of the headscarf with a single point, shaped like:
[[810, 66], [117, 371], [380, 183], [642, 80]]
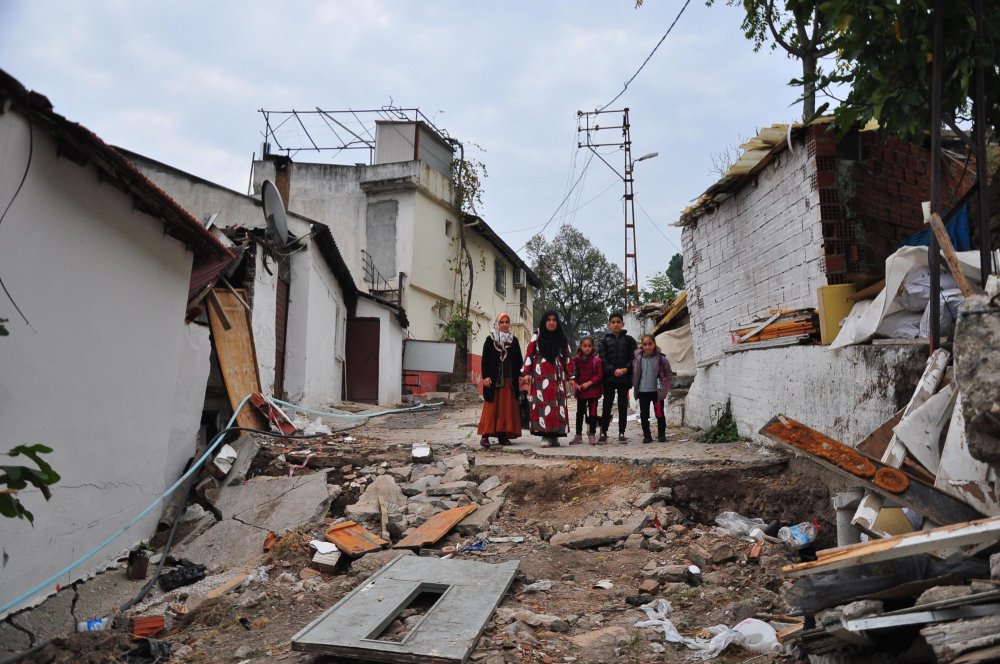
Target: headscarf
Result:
[[501, 340], [551, 344]]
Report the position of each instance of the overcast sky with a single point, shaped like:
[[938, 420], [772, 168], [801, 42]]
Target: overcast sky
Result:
[[182, 82]]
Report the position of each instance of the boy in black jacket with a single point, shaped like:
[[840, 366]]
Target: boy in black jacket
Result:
[[616, 350]]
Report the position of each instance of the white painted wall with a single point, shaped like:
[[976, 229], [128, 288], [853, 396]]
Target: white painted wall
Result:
[[844, 394], [390, 351], [96, 376], [762, 248], [193, 365]]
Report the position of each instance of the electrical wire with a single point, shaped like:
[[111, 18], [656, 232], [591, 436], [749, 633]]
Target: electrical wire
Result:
[[657, 227], [648, 57], [24, 176], [565, 198]]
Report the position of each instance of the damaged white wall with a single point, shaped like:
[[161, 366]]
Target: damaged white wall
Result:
[[97, 375], [761, 248], [844, 394]]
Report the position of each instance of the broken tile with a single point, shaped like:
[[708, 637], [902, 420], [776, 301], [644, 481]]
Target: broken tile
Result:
[[367, 507], [353, 539]]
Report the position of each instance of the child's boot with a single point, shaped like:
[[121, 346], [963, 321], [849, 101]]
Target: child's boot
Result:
[[577, 439]]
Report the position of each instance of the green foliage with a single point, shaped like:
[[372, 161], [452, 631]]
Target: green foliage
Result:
[[15, 478], [458, 328], [801, 28], [723, 429], [467, 175], [675, 272], [578, 281], [658, 289], [885, 57]]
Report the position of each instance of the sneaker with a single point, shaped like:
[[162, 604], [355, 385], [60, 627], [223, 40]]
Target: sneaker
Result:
[[577, 439], [592, 439], [622, 439], [603, 438], [484, 442]]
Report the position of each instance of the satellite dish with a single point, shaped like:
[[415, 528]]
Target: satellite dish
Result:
[[274, 214]]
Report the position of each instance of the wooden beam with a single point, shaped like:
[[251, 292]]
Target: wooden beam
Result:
[[213, 300], [869, 292], [760, 327], [951, 258], [910, 544]]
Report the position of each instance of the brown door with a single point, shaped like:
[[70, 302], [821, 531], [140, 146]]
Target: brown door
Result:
[[361, 348], [280, 332]]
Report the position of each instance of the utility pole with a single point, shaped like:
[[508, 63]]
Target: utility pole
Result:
[[588, 124]]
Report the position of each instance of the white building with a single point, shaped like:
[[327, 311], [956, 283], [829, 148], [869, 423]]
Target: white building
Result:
[[319, 339], [101, 364], [402, 238]]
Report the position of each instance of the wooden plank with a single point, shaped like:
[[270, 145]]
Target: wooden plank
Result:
[[790, 632], [237, 356], [759, 328], [435, 528], [216, 307], [383, 508], [680, 302], [770, 343], [951, 258], [877, 441], [869, 292], [227, 586], [936, 505], [895, 452], [922, 617], [924, 541], [353, 539]]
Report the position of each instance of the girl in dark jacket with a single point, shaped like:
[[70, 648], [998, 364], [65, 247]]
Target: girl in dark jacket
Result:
[[501, 368], [586, 368], [651, 382]]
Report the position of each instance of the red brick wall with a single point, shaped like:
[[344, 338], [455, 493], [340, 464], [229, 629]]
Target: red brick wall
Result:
[[870, 195]]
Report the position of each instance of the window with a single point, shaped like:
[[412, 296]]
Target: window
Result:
[[447, 227], [499, 277]]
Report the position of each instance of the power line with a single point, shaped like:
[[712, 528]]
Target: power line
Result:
[[658, 228], [563, 202], [648, 57]]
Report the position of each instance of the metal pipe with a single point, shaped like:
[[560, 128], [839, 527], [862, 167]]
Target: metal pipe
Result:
[[933, 251]]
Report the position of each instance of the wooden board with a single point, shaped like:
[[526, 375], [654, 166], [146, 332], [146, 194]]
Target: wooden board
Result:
[[237, 356], [353, 539], [889, 548], [877, 442], [935, 504], [435, 528]]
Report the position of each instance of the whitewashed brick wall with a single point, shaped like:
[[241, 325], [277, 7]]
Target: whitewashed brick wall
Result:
[[845, 394], [760, 249]]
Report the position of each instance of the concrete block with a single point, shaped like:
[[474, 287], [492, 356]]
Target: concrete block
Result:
[[246, 449], [367, 507], [479, 520], [586, 537]]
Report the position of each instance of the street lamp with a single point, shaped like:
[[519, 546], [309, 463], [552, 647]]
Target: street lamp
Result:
[[648, 155]]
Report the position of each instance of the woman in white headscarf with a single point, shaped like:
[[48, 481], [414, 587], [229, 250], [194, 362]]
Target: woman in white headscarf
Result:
[[501, 369]]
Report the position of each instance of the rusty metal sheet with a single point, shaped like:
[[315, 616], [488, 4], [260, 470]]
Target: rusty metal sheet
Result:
[[353, 539], [435, 528], [938, 506]]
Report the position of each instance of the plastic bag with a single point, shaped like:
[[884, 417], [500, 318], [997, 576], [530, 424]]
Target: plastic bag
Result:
[[737, 525], [657, 611]]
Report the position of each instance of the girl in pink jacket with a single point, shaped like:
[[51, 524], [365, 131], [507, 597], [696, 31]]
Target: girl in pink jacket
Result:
[[587, 371]]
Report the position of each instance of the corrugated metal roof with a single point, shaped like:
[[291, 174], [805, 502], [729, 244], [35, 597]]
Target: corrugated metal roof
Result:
[[757, 153]]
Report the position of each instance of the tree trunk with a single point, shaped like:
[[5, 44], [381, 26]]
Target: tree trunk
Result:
[[809, 86]]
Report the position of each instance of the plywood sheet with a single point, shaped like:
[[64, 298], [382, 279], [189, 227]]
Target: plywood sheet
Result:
[[237, 356], [353, 539], [435, 528], [448, 632]]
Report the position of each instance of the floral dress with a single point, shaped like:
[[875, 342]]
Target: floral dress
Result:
[[547, 390]]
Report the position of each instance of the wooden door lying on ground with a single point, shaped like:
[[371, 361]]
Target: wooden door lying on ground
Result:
[[361, 349]]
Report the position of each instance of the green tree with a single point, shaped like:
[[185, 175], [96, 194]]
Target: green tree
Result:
[[578, 281], [658, 289], [885, 53], [675, 272], [802, 28]]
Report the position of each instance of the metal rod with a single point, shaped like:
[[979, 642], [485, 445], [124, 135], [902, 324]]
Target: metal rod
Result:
[[933, 252], [979, 111]]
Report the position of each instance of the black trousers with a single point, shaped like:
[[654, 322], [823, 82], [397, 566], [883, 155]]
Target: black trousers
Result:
[[645, 399], [609, 398], [588, 408]]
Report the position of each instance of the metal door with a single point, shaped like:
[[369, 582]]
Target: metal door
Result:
[[361, 349]]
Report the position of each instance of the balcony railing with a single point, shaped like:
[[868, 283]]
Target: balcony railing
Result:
[[520, 314], [377, 283]]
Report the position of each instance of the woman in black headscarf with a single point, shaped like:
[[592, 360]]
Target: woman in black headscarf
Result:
[[545, 376], [501, 369]]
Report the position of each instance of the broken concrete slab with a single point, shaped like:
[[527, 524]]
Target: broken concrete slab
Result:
[[479, 520], [458, 461], [469, 592], [226, 544], [471, 489], [367, 507], [490, 483], [586, 537], [424, 471], [455, 474], [12, 640], [401, 473], [634, 541], [246, 449], [53, 617], [421, 485], [644, 499], [276, 504]]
